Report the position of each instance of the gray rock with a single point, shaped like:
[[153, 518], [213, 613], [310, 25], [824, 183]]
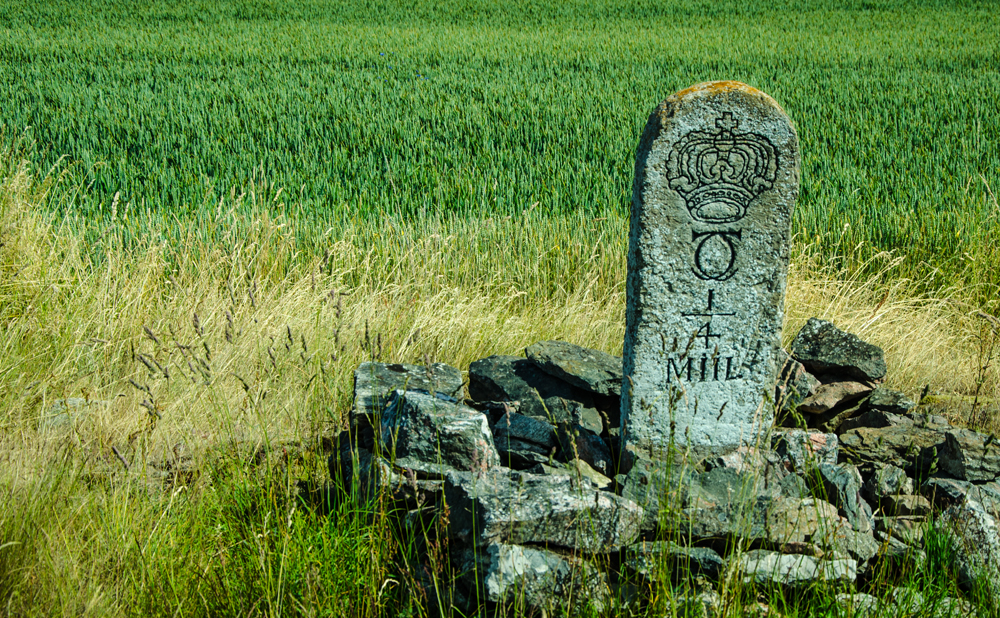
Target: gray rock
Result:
[[908, 529], [374, 384], [591, 370], [802, 450], [905, 601], [707, 264], [825, 349], [523, 441], [540, 395], [909, 447], [533, 579], [858, 604], [806, 520], [906, 506], [833, 395], [890, 401], [841, 485], [768, 568], [655, 487], [945, 492], [431, 436], [861, 546], [578, 443], [970, 456], [520, 508], [747, 520], [576, 468], [875, 419], [976, 541], [898, 554], [657, 559], [363, 477], [887, 481], [794, 383], [67, 412]]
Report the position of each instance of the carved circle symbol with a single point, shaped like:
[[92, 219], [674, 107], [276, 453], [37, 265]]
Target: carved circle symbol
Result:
[[715, 254]]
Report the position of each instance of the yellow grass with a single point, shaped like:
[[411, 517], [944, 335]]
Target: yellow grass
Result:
[[250, 327]]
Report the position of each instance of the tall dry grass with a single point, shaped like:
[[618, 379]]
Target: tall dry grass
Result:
[[248, 324]]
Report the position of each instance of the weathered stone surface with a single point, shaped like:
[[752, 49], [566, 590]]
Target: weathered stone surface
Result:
[[716, 180], [861, 546], [887, 400], [591, 370], [909, 447], [374, 384], [875, 419], [747, 520], [970, 456], [794, 382], [858, 604], [519, 508], [909, 530], [510, 378], [768, 568], [531, 579], [655, 487], [800, 521], [654, 560], [945, 492], [841, 485], [576, 468], [887, 481], [577, 442], [825, 349], [523, 441], [64, 413], [833, 395], [905, 506], [431, 435], [802, 450], [976, 541]]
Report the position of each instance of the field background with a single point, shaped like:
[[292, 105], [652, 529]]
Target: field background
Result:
[[212, 212], [482, 108]]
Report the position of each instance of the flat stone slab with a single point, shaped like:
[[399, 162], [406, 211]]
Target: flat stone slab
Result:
[[716, 179], [539, 394], [823, 348], [970, 456], [591, 370], [520, 508], [764, 568]]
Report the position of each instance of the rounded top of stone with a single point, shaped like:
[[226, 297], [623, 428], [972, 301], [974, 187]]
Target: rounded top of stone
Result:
[[723, 87]]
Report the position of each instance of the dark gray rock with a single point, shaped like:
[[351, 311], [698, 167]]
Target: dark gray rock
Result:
[[890, 401], [523, 441], [578, 443], [746, 520], [520, 508], [532, 579], [825, 349], [800, 450], [768, 568], [875, 419], [431, 436], [362, 477], [841, 485], [591, 370], [834, 395], [794, 383], [908, 529], [654, 486], [374, 384], [945, 492], [906, 506], [970, 456], [887, 481], [654, 560], [540, 394], [521, 455], [910, 447]]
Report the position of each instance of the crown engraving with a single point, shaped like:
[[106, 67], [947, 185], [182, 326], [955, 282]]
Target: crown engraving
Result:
[[719, 173]]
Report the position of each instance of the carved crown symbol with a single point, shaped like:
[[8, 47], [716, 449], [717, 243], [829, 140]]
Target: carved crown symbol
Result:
[[718, 173]]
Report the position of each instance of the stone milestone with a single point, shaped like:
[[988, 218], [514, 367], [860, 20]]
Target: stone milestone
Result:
[[716, 179]]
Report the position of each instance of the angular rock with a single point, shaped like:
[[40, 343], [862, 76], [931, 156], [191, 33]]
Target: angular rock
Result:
[[576, 468], [523, 441], [833, 395], [746, 520], [591, 370], [431, 435], [906, 506], [861, 546], [890, 401], [909, 447], [800, 521], [707, 265], [945, 492], [887, 481], [970, 456], [655, 559], [858, 603], [520, 508], [532, 579], [794, 383], [576, 442], [875, 419], [655, 487], [825, 349], [909, 529], [374, 384], [801, 450], [540, 395], [841, 485], [976, 541], [768, 568]]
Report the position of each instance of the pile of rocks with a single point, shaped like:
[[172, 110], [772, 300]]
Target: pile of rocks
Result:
[[543, 504]]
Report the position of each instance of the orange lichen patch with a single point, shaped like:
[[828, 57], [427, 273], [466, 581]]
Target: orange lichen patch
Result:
[[718, 87]]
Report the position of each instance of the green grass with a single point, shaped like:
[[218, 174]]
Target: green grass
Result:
[[359, 109]]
